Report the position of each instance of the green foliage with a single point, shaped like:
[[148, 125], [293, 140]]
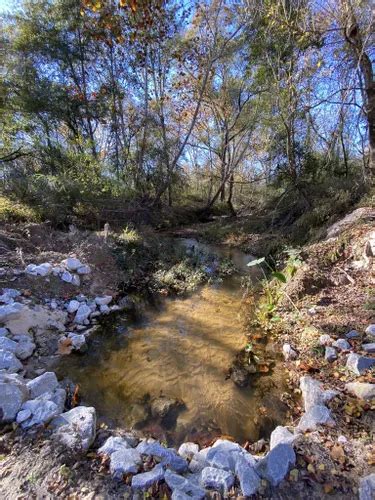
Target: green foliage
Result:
[[12, 211]]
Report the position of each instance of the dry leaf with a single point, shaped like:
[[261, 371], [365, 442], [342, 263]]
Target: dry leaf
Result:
[[65, 346], [337, 453]]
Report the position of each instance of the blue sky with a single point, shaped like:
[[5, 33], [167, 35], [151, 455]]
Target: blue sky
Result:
[[6, 5]]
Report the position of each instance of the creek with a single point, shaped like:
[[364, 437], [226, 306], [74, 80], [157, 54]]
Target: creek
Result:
[[181, 350]]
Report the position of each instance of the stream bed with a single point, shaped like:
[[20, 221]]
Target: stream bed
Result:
[[181, 351]]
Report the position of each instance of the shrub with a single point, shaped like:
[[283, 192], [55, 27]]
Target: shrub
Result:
[[12, 211]]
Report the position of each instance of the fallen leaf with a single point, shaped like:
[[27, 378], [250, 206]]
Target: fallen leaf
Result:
[[337, 453]]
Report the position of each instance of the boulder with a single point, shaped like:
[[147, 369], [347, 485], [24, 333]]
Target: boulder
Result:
[[188, 450], [281, 435], [180, 483], [248, 478], [289, 352], [76, 428], [367, 487], [47, 382], [146, 479], [103, 301], [313, 392], [25, 346], [7, 345], [4, 332], [83, 312], [11, 399], [168, 456], [362, 390], [316, 415], [125, 461], [180, 495], [275, 466], [217, 479], [9, 362], [73, 306], [369, 347], [113, 444], [224, 455], [72, 264], [342, 345], [84, 269], [10, 311], [330, 354], [359, 364], [40, 412]]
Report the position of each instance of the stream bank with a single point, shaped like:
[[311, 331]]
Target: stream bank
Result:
[[327, 460]]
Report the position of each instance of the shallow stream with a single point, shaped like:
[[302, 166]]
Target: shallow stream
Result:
[[181, 350]]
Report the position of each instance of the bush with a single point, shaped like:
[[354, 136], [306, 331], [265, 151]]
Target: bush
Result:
[[12, 211]]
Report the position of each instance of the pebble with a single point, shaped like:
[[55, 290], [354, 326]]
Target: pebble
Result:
[[276, 464], [353, 334], [330, 354], [363, 390], [315, 416], [370, 330], [342, 345], [146, 479], [289, 352], [369, 347], [325, 340]]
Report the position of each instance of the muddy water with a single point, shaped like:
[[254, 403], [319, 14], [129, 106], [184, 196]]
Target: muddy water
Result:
[[182, 351]]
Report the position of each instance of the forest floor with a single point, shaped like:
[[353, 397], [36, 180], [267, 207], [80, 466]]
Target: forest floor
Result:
[[331, 293]]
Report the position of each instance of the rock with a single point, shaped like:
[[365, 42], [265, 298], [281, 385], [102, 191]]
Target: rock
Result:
[[104, 309], [325, 340], [342, 345], [289, 353], [10, 311], [353, 334], [76, 428], [367, 488], [281, 435], [47, 382], [113, 444], [275, 466], [72, 264], [11, 292], [224, 455], [330, 354], [370, 330], [369, 347], [6, 299], [7, 344], [4, 332], [103, 301], [313, 392], [362, 390], [359, 364], [180, 483], [161, 407], [342, 440], [146, 479], [217, 479], [168, 456], [125, 461], [22, 416], [188, 450], [41, 270], [57, 270], [11, 399], [25, 346], [73, 306], [76, 280], [78, 342], [240, 376], [9, 362], [248, 478], [67, 277], [82, 314], [84, 269], [199, 461], [180, 495], [41, 412], [316, 415]]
